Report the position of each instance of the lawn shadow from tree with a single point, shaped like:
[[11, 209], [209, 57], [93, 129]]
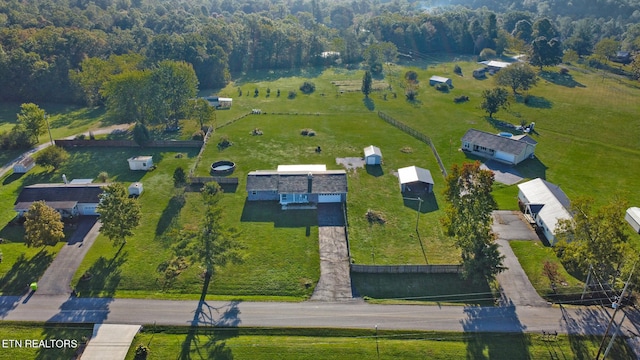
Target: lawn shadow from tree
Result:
[[74, 119], [480, 329], [532, 101], [368, 103], [103, 277], [11, 178], [271, 211], [374, 170], [216, 324], [501, 125], [586, 325], [556, 78], [259, 75], [170, 213], [25, 271], [53, 331]]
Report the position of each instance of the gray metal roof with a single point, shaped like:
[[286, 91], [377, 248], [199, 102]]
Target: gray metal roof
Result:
[[322, 182], [53, 193], [497, 142]]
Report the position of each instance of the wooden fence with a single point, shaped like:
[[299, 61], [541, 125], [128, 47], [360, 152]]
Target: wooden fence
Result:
[[416, 134], [129, 143], [220, 180], [407, 269]]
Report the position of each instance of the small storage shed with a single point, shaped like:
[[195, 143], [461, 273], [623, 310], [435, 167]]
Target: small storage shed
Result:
[[434, 80], [219, 102], [415, 180], [25, 164], [135, 189], [480, 73], [633, 218], [372, 155], [140, 162]]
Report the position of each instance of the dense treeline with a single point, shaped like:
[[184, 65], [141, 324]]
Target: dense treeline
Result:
[[45, 43]]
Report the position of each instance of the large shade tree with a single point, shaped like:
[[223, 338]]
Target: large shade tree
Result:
[[468, 219], [518, 76], [42, 226], [32, 119], [119, 214], [494, 99]]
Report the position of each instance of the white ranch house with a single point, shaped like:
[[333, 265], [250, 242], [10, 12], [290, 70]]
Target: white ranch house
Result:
[[298, 185], [68, 199], [507, 149]]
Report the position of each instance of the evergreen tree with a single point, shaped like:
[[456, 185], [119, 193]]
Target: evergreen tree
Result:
[[367, 81]]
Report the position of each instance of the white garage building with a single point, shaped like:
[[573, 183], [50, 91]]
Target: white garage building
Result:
[[546, 204]]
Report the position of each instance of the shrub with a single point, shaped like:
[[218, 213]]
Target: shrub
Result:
[[311, 133], [487, 54], [411, 76], [224, 143], [308, 87], [292, 94], [103, 176], [278, 93], [563, 71], [460, 99], [239, 92], [179, 177], [411, 94], [256, 92], [375, 217], [457, 69], [442, 87], [268, 92], [80, 137], [142, 352], [53, 156], [198, 135]]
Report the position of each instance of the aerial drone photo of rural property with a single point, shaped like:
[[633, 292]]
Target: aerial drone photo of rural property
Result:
[[319, 179]]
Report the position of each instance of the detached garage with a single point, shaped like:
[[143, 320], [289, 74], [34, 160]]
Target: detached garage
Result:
[[415, 180]]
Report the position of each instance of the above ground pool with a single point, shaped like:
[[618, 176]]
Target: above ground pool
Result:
[[223, 167]]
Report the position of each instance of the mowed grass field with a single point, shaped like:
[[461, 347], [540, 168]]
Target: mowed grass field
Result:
[[588, 144], [349, 344]]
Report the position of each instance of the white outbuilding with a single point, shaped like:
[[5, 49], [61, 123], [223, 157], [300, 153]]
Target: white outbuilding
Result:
[[140, 162], [415, 180], [372, 155], [633, 218], [23, 165], [546, 204], [135, 189]]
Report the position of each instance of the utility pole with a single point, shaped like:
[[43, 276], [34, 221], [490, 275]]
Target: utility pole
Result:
[[46, 119], [616, 305]]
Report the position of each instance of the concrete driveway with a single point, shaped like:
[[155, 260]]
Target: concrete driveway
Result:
[[514, 283]]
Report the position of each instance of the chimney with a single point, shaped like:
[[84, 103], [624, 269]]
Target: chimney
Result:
[[309, 182]]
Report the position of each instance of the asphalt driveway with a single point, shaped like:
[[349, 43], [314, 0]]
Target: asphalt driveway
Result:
[[514, 283], [57, 277]]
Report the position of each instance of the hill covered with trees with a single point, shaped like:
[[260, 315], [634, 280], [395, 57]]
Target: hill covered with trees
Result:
[[43, 43]]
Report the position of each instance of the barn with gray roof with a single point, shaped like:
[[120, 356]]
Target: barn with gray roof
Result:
[[503, 147]]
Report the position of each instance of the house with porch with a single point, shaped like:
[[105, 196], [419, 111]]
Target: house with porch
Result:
[[298, 185], [69, 200], [503, 147]]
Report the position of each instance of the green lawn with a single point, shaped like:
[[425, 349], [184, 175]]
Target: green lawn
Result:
[[532, 256], [11, 334], [349, 344]]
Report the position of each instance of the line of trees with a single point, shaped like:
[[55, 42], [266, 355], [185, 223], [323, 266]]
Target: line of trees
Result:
[[43, 44]]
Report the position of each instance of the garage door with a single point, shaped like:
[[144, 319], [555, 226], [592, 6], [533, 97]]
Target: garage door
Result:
[[505, 157], [329, 198]]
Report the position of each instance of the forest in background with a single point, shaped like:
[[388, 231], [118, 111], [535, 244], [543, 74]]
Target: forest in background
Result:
[[43, 43]]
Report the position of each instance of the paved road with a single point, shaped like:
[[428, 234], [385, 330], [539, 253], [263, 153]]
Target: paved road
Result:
[[312, 314], [57, 277]]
